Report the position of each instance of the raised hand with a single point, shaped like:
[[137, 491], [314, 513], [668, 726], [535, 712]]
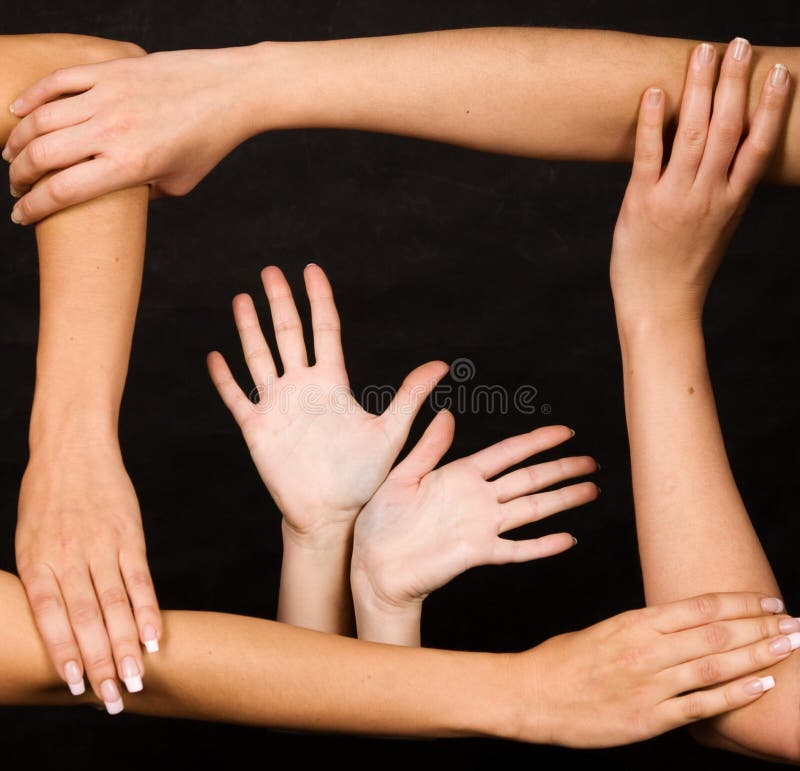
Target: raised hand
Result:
[[320, 454], [423, 526]]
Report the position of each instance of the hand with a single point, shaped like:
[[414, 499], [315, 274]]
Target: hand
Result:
[[320, 454], [674, 224], [167, 119], [423, 526], [648, 671], [81, 557]]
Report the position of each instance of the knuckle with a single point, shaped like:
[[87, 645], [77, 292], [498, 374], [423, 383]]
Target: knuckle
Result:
[[61, 190], [694, 137], [100, 663], [716, 637], [327, 325], [708, 671], [730, 131], [113, 597], [85, 613], [140, 579], [706, 606], [693, 707], [26, 207], [286, 325], [38, 153], [45, 602], [41, 119]]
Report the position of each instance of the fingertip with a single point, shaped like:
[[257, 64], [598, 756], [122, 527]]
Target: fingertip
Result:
[[779, 77]]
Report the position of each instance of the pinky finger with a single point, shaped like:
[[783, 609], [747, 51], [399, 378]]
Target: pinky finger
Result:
[[139, 585], [506, 550], [767, 126], [649, 152], [233, 396], [700, 705]]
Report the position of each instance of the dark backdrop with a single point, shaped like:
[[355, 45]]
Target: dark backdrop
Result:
[[434, 252]]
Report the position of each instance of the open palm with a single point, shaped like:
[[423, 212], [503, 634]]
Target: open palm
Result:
[[320, 454]]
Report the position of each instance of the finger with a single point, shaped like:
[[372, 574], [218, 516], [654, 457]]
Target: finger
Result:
[[507, 551], [90, 631], [707, 608], [429, 450], [120, 624], [142, 593], [233, 396], [52, 621], [48, 153], [730, 103], [649, 153], [256, 351], [542, 475], [71, 80], [700, 705], [285, 319], [690, 139], [516, 449], [324, 318], [74, 185], [766, 129], [44, 120], [691, 644], [532, 508], [415, 389], [722, 667]]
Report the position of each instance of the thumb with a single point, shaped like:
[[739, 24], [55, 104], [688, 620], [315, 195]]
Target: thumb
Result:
[[411, 395], [430, 449]]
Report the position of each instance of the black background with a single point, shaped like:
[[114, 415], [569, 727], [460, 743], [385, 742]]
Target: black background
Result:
[[434, 252]]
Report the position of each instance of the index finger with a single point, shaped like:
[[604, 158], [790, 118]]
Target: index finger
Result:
[[715, 606], [71, 80]]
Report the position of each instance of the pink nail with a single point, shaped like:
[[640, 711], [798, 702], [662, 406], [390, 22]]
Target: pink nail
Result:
[[740, 46], [789, 625], [74, 678], [780, 74], [759, 685], [772, 605], [150, 638], [15, 216], [131, 675], [14, 106], [706, 53], [654, 97], [111, 697]]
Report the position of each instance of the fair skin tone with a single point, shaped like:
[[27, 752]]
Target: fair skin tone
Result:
[[308, 427], [425, 526], [79, 541], [169, 118], [622, 680], [694, 530]]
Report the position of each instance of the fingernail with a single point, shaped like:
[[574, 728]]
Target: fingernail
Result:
[[7, 152], [15, 217], [311, 265], [131, 675], [759, 685], [74, 678], [13, 191], [574, 541], [573, 431], [111, 697], [653, 97], [772, 605], [789, 625], [740, 46], [780, 74], [599, 467], [706, 53], [14, 106], [150, 638]]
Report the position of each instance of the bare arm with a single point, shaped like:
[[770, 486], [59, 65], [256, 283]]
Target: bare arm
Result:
[[79, 541], [694, 531], [547, 93]]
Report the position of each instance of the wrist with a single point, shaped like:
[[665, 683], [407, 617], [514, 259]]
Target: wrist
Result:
[[383, 618], [70, 425], [639, 324]]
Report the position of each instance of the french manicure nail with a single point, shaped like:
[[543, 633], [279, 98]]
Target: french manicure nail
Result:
[[74, 678], [759, 685], [150, 638], [772, 605], [789, 625], [740, 46], [706, 53], [653, 96], [131, 675], [111, 697], [780, 74]]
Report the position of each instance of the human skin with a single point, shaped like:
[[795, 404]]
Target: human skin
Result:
[[616, 682], [169, 118], [426, 525], [693, 528], [79, 541]]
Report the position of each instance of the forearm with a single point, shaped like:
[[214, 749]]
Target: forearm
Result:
[[245, 670], [546, 93], [694, 532], [315, 585]]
